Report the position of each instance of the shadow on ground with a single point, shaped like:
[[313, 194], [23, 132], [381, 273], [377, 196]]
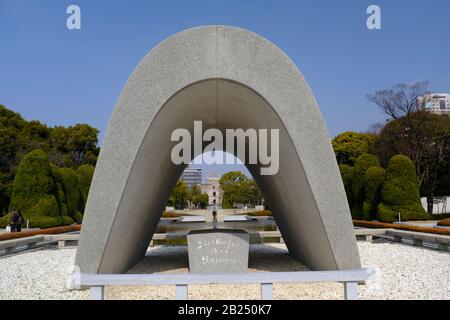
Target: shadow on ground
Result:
[[174, 259]]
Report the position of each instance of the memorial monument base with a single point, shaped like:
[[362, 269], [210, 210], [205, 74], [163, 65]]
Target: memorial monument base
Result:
[[218, 251]]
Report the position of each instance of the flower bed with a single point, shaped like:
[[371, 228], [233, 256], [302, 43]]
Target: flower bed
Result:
[[262, 213], [23, 234], [444, 223], [383, 225]]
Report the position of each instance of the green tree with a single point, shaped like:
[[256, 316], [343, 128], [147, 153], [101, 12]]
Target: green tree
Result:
[[79, 142], [199, 199], [11, 124], [180, 195], [348, 146], [238, 188]]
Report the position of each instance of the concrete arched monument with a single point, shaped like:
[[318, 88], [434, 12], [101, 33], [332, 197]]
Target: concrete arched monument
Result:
[[225, 77]]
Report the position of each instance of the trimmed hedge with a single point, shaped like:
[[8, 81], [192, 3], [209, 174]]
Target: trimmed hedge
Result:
[[400, 192], [362, 164], [401, 166], [35, 192], [375, 193], [373, 181], [49, 196], [347, 178], [71, 192], [85, 174], [33, 181], [383, 225]]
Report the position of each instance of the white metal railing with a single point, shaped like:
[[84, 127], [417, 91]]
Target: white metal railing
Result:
[[97, 282]]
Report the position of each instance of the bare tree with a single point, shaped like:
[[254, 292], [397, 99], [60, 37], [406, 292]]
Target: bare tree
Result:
[[375, 128], [401, 100]]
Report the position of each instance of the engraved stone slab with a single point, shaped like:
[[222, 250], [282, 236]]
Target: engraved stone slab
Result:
[[218, 251]]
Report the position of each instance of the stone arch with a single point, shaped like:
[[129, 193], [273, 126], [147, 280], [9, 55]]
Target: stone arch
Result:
[[228, 78]]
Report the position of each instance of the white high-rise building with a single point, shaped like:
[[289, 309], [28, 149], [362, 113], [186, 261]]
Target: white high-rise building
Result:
[[192, 176], [438, 103]]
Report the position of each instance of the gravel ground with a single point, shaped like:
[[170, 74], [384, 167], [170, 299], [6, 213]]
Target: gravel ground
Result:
[[404, 272]]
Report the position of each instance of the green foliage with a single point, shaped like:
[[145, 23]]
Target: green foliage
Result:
[[46, 206], [79, 142], [46, 195], [400, 192], [78, 217], [35, 190], [180, 195], [85, 174], [4, 220], [362, 164], [400, 166], [46, 214], [373, 180], [348, 146], [60, 195], [347, 179], [33, 181], [238, 188], [198, 198], [71, 190], [66, 147]]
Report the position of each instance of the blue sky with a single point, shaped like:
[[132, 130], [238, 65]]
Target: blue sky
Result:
[[65, 77]]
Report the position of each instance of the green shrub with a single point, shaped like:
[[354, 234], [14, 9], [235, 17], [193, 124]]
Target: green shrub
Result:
[[78, 217], [347, 178], [45, 214], [32, 182], [362, 163], [60, 195], [4, 220], [49, 196], [385, 214], [44, 222], [70, 190], [46, 206], [66, 220], [373, 181], [85, 174], [402, 166], [400, 192]]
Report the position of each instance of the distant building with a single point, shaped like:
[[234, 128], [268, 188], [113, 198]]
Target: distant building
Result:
[[212, 188], [438, 103], [192, 176]]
